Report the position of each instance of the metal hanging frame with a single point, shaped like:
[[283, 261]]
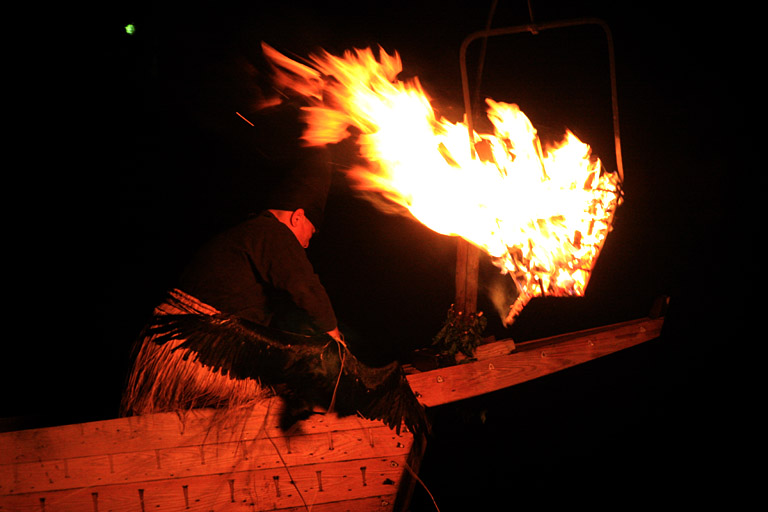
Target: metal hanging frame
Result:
[[467, 256], [535, 28]]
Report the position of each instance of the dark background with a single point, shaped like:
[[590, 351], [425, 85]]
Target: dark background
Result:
[[163, 164]]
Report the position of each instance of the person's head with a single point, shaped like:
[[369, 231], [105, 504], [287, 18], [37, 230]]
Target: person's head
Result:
[[300, 198], [298, 222], [300, 175]]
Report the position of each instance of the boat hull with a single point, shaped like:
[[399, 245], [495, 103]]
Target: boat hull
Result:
[[207, 461]]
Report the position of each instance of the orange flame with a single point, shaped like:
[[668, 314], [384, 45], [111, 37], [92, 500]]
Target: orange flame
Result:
[[541, 215]]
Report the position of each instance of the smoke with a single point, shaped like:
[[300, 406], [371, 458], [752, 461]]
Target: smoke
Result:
[[501, 292]]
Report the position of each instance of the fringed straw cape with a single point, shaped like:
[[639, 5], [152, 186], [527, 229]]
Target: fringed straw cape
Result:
[[191, 355]]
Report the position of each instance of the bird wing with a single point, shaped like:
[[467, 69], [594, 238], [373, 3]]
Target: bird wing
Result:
[[313, 368], [381, 393], [236, 347]]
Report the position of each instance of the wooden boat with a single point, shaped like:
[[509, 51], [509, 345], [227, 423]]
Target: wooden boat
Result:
[[201, 461]]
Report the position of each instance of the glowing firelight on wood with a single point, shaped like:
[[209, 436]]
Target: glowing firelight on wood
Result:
[[541, 214]]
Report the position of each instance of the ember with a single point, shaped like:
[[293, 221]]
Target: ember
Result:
[[541, 214]]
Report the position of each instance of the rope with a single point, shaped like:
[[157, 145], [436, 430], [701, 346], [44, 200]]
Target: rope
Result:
[[282, 460], [342, 346], [414, 475], [342, 356]]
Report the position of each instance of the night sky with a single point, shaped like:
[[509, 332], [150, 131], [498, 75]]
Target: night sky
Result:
[[165, 165]]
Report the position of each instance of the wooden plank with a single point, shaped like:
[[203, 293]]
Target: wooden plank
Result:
[[204, 459], [496, 348], [129, 462], [467, 265], [410, 476], [383, 503], [530, 360], [158, 431], [272, 489]]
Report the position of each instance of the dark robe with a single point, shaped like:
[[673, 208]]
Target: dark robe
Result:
[[259, 271]]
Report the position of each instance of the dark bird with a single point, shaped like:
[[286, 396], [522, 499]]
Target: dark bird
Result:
[[306, 371]]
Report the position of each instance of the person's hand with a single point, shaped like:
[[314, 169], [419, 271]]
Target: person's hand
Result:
[[336, 334]]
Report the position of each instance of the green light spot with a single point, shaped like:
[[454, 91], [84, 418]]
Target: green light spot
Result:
[[130, 29]]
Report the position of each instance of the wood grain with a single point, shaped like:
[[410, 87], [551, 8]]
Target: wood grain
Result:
[[198, 462], [529, 361]]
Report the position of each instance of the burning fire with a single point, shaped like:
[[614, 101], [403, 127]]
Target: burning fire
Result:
[[541, 214]]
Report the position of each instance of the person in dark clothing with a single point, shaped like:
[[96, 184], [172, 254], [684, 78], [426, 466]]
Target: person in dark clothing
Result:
[[249, 319], [258, 270]]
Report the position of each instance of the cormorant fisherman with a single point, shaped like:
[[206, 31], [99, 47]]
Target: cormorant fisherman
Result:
[[250, 318]]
